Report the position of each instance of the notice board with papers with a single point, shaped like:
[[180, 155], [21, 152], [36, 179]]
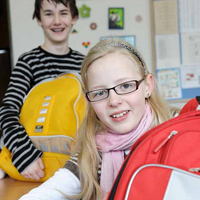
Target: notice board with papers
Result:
[[176, 47]]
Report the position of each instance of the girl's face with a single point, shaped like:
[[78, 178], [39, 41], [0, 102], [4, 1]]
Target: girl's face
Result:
[[120, 113]]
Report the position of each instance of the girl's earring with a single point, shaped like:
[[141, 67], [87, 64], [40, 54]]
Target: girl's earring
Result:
[[148, 95]]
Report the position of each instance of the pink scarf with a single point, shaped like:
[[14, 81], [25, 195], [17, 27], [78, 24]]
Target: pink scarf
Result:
[[112, 146]]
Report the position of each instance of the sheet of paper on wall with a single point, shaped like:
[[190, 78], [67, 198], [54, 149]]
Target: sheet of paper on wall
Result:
[[169, 81], [167, 51], [189, 15], [190, 43], [166, 34], [166, 17], [190, 76]]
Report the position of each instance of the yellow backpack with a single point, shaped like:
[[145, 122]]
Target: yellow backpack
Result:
[[51, 115]]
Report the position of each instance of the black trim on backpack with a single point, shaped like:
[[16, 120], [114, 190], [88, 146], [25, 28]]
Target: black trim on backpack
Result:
[[198, 99]]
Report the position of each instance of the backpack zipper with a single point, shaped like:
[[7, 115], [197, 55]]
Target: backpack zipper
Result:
[[165, 141], [197, 169], [168, 145]]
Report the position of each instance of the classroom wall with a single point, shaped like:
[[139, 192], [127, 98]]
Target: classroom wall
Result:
[[26, 34]]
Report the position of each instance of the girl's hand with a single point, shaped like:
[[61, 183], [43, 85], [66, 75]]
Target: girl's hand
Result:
[[35, 171]]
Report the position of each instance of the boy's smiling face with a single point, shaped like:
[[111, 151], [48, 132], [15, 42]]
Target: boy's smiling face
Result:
[[56, 21]]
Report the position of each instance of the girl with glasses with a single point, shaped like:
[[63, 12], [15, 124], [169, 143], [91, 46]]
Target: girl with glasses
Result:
[[123, 103]]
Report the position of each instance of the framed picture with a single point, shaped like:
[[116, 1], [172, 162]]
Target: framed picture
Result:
[[116, 18]]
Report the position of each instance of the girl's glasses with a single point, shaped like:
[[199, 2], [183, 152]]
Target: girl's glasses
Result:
[[123, 88]]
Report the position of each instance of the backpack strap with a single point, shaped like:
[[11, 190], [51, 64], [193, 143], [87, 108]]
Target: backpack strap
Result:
[[193, 104]]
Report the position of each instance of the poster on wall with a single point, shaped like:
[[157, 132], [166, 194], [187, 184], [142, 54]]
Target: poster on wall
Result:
[[170, 83], [116, 18]]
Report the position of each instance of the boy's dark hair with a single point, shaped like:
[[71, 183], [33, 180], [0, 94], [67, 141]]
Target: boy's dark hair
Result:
[[71, 3]]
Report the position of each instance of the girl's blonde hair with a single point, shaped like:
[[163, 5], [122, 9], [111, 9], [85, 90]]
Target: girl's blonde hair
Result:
[[88, 157]]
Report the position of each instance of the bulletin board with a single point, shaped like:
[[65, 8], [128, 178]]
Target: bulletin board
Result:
[[176, 47]]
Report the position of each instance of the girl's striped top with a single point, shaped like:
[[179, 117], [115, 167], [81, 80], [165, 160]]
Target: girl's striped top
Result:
[[31, 68]]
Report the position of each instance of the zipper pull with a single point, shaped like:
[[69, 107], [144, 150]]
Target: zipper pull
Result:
[[165, 141], [197, 169]]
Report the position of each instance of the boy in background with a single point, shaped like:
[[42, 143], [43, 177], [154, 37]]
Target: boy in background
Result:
[[53, 57]]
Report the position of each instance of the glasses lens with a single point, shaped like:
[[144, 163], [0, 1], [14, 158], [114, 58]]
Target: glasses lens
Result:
[[126, 87], [97, 95]]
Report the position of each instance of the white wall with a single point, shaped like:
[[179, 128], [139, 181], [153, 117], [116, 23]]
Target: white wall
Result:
[[27, 35]]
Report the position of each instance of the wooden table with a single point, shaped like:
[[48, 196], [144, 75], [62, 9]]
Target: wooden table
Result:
[[12, 190]]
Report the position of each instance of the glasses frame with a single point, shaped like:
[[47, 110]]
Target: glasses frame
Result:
[[114, 88]]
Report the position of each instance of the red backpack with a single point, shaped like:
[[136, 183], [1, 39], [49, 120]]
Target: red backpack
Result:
[[172, 147]]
